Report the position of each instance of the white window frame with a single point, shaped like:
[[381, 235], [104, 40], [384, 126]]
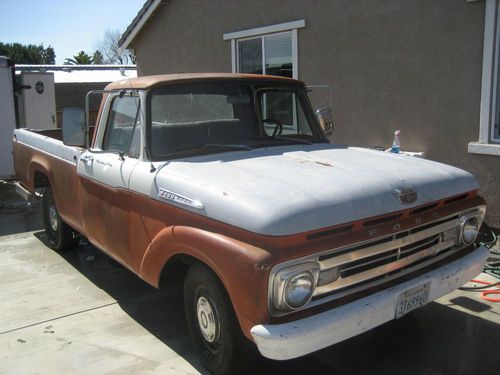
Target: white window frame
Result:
[[292, 27], [488, 143]]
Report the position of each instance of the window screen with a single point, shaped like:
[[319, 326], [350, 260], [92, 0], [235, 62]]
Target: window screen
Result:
[[269, 54]]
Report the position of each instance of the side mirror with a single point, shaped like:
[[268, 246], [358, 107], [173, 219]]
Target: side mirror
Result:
[[73, 127], [325, 118]]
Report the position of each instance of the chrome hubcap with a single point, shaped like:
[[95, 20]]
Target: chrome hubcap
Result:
[[54, 223], [207, 320]]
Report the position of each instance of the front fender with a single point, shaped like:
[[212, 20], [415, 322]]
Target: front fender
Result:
[[243, 269]]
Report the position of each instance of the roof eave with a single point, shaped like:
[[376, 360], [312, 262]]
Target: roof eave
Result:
[[137, 24]]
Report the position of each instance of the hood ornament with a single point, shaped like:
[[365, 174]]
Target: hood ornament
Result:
[[406, 195]]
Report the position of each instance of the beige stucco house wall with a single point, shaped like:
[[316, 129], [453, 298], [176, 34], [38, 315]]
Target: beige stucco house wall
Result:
[[414, 65]]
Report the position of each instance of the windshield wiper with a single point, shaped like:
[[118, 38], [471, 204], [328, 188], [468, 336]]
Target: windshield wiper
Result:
[[292, 140], [297, 140], [215, 145], [231, 146]]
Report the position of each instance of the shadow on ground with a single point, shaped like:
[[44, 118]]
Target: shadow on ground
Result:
[[436, 339], [16, 215]]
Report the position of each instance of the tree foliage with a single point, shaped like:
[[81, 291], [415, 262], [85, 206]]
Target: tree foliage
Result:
[[108, 46], [81, 58], [98, 58], [28, 54]]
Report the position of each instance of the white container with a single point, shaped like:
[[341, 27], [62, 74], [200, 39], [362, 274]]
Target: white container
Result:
[[7, 117]]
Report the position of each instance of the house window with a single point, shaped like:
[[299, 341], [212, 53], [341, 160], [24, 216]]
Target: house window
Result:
[[269, 54], [489, 122], [266, 50]]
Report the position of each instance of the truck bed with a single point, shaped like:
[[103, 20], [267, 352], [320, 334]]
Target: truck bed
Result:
[[40, 155]]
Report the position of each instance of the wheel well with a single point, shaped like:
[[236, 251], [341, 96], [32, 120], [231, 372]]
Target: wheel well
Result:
[[40, 180], [175, 270]]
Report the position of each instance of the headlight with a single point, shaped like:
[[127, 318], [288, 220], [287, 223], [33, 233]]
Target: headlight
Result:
[[470, 229], [469, 224], [293, 287], [299, 289]]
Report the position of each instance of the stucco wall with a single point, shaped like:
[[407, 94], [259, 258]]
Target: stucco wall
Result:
[[406, 64]]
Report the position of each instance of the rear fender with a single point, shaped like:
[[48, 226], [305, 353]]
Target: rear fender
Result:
[[38, 166]]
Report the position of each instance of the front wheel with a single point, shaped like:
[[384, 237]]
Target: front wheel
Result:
[[212, 324], [59, 234]]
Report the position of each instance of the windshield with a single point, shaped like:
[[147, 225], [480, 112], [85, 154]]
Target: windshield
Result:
[[214, 116]]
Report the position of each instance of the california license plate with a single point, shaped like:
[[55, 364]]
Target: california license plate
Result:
[[412, 299]]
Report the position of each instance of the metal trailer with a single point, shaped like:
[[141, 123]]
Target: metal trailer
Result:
[[7, 116]]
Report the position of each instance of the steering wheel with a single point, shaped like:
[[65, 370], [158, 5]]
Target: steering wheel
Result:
[[278, 129]]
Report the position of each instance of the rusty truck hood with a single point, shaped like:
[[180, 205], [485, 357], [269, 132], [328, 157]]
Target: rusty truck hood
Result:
[[292, 189]]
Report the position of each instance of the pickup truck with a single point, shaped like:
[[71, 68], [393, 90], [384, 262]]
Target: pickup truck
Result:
[[228, 184]]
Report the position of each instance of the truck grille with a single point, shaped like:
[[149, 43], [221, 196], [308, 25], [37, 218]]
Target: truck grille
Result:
[[350, 269]]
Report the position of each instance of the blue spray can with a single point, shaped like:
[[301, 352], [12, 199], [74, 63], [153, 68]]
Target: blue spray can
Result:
[[395, 144]]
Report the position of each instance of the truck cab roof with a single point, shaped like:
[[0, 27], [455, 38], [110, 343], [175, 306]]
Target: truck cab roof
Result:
[[148, 82]]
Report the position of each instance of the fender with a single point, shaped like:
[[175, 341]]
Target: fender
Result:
[[38, 165], [243, 269]]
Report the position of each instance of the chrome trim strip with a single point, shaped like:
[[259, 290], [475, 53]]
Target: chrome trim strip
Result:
[[400, 254], [389, 245], [382, 270]]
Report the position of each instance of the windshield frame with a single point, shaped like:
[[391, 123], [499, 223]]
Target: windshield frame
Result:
[[257, 86]]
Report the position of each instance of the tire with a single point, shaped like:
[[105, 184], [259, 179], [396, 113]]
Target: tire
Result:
[[212, 323], [59, 234]]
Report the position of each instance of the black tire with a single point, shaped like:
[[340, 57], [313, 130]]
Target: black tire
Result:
[[226, 351], [59, 234]]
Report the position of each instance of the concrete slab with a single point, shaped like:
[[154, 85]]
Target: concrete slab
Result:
[[81, 313], [99, 341], [39, 285]]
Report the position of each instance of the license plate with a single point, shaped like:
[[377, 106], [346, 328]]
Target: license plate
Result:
[[412, 299]]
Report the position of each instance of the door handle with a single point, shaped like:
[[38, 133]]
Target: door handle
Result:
[[87, 159]]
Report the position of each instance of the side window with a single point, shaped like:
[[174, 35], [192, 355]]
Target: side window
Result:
[[123, 127], [286, 109]]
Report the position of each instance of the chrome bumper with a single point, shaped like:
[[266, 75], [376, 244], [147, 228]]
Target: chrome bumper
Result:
[[301, 337]]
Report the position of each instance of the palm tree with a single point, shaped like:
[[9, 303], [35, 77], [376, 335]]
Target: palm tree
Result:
[[81, 59]]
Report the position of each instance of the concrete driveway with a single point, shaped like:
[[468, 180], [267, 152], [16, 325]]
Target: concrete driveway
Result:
[[82, 313]]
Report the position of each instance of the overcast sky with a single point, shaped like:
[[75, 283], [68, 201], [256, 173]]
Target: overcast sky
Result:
[[69, 26]]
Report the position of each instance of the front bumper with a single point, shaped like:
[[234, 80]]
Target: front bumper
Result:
[[301, 337]]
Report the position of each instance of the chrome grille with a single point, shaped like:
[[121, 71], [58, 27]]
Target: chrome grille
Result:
[[362, 266], [385, 258]]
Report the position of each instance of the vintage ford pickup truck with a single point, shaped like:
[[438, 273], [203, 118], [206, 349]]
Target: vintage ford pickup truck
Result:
[[228, 184]]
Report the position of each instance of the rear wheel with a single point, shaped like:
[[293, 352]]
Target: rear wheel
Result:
[[59, 234], [212, 324]]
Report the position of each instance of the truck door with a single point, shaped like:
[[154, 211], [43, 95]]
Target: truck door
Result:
[[104, 172]]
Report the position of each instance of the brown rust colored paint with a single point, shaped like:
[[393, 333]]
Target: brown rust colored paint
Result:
[[148, 82], [144, 233], [61, 175]]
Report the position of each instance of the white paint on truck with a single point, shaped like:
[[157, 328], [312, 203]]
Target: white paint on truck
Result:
[[276, 191]]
